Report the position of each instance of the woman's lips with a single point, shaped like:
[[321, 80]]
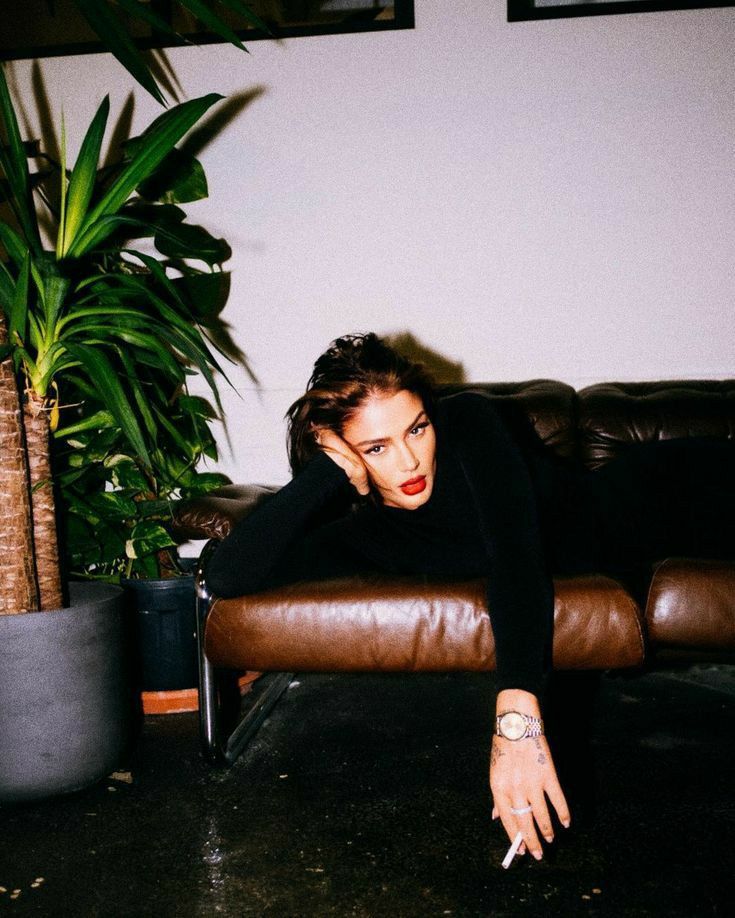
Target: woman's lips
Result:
[[414, 486]]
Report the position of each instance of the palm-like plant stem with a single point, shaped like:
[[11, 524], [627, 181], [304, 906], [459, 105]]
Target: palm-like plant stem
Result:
[[46, 543], [18, 591]]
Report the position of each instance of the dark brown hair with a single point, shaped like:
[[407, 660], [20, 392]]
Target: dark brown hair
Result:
[[352, 369]]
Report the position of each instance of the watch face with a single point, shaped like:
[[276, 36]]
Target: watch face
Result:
[[512, 725]]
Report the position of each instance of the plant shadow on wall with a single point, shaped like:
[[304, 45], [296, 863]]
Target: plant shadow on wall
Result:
[[103, 332], [443, 370]]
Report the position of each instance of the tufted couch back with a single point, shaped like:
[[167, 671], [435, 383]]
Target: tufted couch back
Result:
[[612, 415], [599, 422]]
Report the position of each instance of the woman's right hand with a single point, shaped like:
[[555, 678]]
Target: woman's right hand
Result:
[[340, 452]]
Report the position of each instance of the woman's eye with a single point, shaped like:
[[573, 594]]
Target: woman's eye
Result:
[[419, 429], [374, 450]]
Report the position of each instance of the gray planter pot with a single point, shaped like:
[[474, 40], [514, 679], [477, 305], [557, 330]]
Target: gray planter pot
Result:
[[66, 706]]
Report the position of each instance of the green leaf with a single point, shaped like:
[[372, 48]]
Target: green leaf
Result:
[[237, 6], [14, 245], [100, 370], [212, 21], [56, 287], [7, 287], [15, 166], [196, 405], [160, 138], [185, 241], [96, 233], [205, 293], [179, 179], [116, 39], [128, 475], [147, 538], [203, 482], [96, 421], [159, 274], [186, 448], [140, 399], [160, 509], [18, 314], [144, 12], [83, 178], [152, 215], [113, 505]]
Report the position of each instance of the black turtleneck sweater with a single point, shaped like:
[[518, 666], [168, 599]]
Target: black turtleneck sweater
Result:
[[481, 520]]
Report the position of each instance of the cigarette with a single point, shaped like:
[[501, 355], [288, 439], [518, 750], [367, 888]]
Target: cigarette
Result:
[[513, 850]]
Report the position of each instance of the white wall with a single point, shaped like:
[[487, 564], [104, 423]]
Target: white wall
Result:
[[532, 199]]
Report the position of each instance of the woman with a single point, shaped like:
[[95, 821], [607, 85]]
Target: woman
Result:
[[444, 490]]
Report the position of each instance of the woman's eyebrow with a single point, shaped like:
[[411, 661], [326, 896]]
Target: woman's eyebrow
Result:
[[383, 439]]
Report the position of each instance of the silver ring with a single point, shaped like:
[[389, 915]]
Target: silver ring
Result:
[[521, 811]]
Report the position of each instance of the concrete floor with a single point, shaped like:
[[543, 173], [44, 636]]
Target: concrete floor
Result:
[[366, 796]]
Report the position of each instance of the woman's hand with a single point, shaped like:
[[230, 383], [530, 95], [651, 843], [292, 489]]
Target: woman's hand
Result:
[[345, 457], [522, 775]]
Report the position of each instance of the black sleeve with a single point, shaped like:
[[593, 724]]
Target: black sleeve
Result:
[[275, 544], [520, 590]]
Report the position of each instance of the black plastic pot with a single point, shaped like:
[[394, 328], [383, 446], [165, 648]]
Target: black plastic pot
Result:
[[165, 614], [66, 700]]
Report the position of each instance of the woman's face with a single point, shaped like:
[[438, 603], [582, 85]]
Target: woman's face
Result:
[[393, 435]]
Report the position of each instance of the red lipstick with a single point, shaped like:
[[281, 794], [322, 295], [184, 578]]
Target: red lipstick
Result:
[[414, 485]]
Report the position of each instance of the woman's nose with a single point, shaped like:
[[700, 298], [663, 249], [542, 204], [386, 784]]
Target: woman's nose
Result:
[[409, 460]]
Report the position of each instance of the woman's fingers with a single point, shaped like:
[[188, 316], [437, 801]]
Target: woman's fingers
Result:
[[558, 800], [541, 817], [509, 823], [345, 457], [525, 824]]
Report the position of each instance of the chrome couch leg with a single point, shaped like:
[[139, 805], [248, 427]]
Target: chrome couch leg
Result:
[[266, 692], [218, 746]]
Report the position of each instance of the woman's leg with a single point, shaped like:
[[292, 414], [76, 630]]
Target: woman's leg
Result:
[[668, 498]]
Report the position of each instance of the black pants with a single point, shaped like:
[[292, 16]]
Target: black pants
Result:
[[666, 498]]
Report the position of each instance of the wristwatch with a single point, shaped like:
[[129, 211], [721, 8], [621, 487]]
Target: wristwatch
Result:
[[513, 725]]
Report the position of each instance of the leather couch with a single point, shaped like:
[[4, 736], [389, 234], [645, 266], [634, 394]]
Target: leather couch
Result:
[[685, 611]]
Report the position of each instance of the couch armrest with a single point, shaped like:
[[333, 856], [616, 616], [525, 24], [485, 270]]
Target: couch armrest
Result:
[[213, 515]]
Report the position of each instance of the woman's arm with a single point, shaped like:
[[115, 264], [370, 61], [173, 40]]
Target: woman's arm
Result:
[[519, 588], [521, 606], [274, 543]]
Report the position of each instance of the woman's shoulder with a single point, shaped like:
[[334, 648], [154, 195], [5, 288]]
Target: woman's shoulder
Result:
[[467, 405]]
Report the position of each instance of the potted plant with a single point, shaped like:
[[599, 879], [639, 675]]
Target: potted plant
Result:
[[118, 516], [90, 312]]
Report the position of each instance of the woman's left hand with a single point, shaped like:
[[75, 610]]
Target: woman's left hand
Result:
[[342, 454], [523, 776]]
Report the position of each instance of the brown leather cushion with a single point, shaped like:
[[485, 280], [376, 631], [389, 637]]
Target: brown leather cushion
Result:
[[691, 604], [401, 625], [614, 415]]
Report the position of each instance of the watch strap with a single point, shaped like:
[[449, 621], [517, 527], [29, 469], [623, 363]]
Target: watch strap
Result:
[[534, 725]]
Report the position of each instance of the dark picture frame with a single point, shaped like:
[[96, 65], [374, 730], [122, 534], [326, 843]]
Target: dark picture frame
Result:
[[524, 10], [37, 28]]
